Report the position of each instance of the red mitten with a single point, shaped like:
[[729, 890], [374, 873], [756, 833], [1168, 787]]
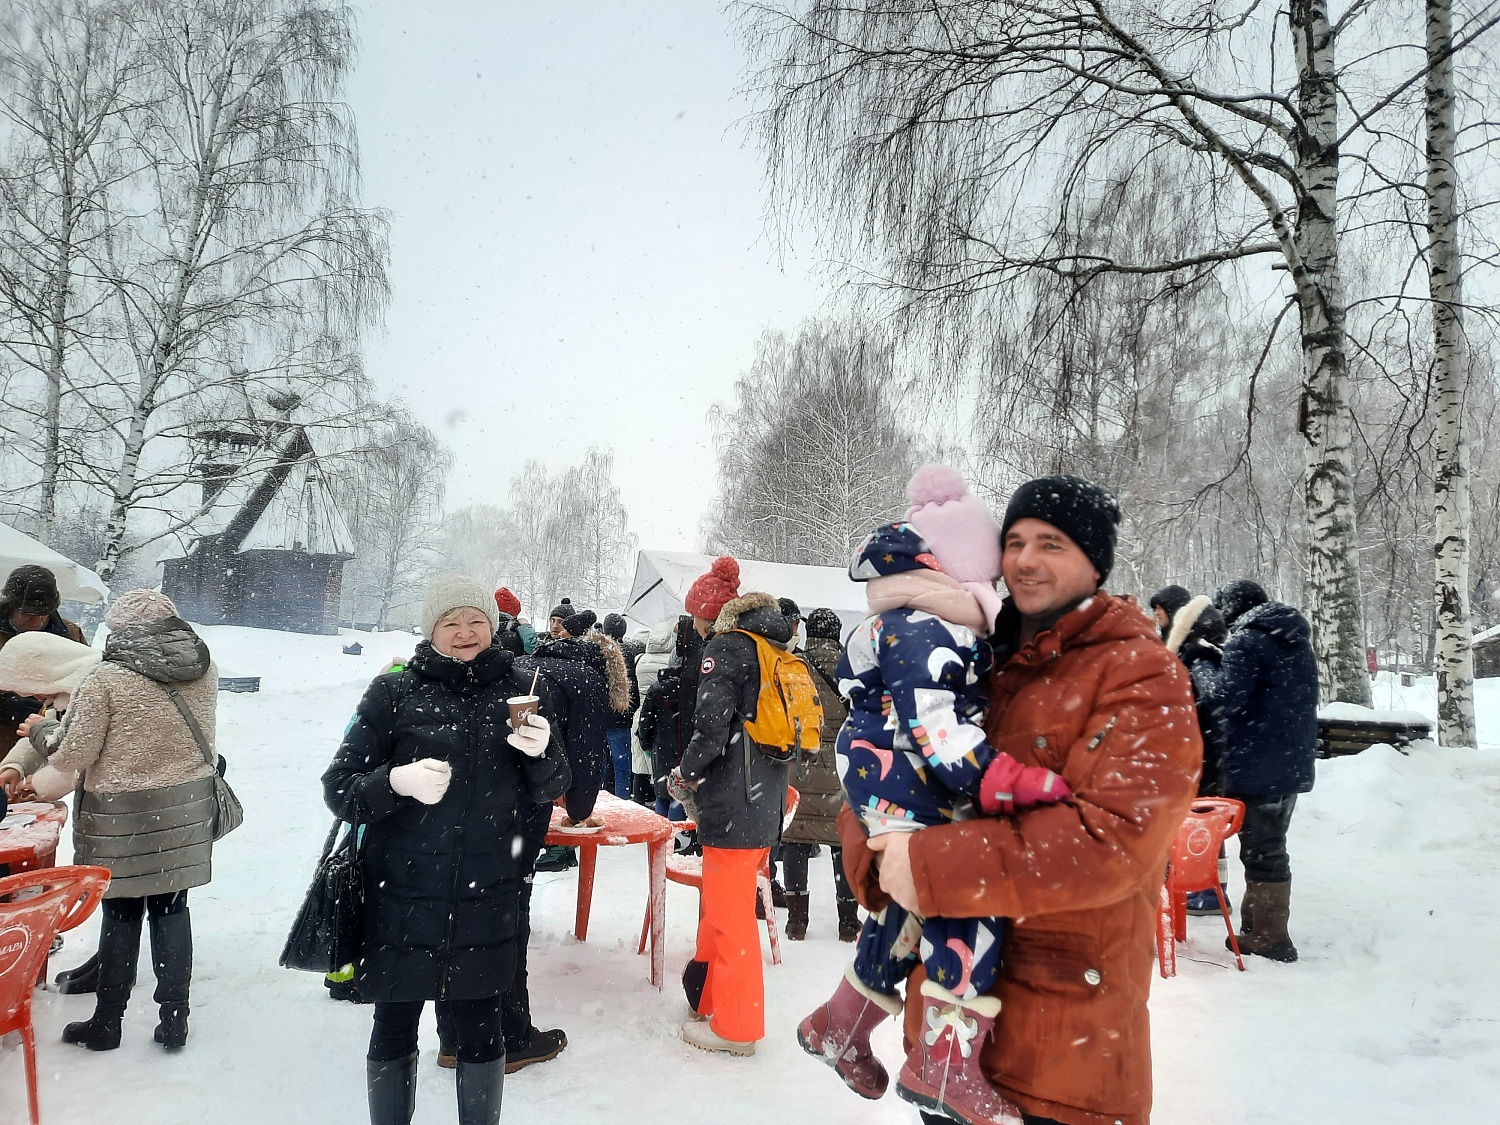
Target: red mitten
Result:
[[1007, 785]]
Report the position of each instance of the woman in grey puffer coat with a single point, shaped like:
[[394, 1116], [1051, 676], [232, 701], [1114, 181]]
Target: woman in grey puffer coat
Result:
[[146, 806]]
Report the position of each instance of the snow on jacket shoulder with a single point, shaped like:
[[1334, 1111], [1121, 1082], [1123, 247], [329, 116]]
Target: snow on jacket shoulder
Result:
[[743, 793], [1268, 704]]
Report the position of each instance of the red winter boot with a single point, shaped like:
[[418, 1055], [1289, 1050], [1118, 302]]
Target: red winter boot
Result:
[[839, 1034], [942, 1073]]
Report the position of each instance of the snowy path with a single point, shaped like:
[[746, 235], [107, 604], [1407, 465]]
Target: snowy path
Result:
[[1393, 1014]]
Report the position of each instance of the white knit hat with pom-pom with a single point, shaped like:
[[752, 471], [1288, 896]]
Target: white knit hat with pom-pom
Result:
[[956, 524]]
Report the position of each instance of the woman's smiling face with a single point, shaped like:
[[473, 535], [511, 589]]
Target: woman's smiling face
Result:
[[462, 633]]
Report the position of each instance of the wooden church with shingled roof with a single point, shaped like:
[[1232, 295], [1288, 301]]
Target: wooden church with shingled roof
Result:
[[270, 548]]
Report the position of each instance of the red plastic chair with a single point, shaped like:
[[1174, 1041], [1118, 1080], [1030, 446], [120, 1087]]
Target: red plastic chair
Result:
[[60, 898], [687, 870], [1194, 866]]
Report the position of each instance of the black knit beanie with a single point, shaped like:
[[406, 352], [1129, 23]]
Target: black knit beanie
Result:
[[613, 626], [1170, 599], [789, 609], [562, 609], [578, 624], [1234, 598], [1080, 509], [823, 623]]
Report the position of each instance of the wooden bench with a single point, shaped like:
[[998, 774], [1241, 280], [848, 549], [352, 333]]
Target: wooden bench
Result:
[[1338, 737]]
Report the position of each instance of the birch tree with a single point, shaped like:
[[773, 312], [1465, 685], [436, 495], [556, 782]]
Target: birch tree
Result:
[[813, 452], [68, 73], [237, 253], [957, 141], [390, 490], [1454, 660]]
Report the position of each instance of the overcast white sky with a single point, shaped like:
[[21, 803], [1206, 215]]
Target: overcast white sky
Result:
[[577, 237]]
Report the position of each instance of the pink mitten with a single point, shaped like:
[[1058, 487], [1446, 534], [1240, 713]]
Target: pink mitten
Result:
[[1008, 785]]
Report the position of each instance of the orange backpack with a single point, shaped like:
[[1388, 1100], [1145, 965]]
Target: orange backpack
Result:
[[788, 712]]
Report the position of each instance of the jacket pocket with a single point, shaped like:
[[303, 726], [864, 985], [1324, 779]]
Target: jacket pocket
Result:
[[1058, 962], [1047, 748]]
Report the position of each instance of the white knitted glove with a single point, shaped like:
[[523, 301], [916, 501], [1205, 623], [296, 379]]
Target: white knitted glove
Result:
[[426, 780], [532, 739]]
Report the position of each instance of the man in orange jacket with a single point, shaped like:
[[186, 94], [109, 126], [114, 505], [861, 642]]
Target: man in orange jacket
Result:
[[1084, 687]]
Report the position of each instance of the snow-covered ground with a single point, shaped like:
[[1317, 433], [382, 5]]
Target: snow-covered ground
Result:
[[1392, 1015]]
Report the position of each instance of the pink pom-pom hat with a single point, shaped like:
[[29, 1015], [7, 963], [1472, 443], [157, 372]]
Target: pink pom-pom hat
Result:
[[956, 524]]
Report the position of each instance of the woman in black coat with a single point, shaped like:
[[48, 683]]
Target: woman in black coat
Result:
[[431, 772]]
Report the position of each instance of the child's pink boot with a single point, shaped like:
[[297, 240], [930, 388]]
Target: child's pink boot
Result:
[[942, 1073], [839, 1034]]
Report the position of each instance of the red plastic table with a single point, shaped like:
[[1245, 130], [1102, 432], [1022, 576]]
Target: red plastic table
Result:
[[27, 846], [625, 822]]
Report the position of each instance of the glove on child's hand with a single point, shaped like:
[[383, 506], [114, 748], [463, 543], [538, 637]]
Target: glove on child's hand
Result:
[[1007, 785], [426, 780], [532, 738]]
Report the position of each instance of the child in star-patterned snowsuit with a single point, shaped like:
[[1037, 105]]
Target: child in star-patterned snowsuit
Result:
[[912, 752]]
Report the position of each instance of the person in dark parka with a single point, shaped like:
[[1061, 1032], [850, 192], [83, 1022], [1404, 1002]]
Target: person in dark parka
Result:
[[632, 772], [431, 772], [817, 782], [1268, 705], [1197, 636], [663, 733], [1164, 606]]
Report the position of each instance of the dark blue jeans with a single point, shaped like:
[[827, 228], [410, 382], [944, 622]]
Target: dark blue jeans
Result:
[[619, 753]]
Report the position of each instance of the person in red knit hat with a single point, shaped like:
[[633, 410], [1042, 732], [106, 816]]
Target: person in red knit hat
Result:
[[510, 605], [711, 592], [740, 795]]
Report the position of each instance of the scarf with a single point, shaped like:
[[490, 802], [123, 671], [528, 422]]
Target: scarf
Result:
[[932, 592]]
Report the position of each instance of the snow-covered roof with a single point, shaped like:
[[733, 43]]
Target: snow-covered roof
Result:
[[75, 582], [301, 517], [1490, 634], [277, 500]]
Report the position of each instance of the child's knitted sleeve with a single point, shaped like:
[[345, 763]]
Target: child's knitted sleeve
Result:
[[930, 670]]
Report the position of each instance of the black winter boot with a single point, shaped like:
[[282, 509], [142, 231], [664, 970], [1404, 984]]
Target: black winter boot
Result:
[[84, 979], [101, 1031], [119, 948], [172, 958], [848, 920], [796, 916], [391, 1085], [479, 1088]]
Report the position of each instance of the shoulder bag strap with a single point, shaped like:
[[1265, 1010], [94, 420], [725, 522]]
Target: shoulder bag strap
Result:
[[191, 720]]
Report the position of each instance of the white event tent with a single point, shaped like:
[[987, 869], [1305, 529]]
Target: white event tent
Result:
[[662, 579], [76, 583]]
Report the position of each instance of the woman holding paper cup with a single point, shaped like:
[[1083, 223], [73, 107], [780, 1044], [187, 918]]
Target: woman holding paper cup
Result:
[[433, 771]]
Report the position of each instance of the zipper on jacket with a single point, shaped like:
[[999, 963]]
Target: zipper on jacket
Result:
[[458, 858]]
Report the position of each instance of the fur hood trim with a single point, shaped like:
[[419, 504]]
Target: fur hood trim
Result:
[[729, 616], [614, 666], [1184, 620]]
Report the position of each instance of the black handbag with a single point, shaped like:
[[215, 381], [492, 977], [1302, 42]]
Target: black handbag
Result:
[[326, 935]]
